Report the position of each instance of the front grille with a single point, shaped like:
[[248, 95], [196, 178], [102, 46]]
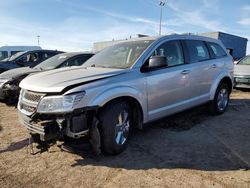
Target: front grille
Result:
[[28, 101], [27, 108], [32, 96]]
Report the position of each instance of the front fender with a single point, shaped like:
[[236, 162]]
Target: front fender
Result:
[[116, 92]]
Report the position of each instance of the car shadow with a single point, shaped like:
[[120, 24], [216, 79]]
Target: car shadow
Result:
[[16, 146], [188, 140]]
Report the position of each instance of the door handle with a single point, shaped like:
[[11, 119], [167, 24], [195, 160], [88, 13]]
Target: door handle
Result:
[[185, 72], [214, 66]]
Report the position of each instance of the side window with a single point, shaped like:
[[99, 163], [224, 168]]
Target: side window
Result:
[[23, 58], [77, 61], [33, 57], [73, 62], [29, 58], [217, 50], [197, 51], [44, 55], [82, 59], [14, 52], [3, 55], [50, 54], [172, 50]]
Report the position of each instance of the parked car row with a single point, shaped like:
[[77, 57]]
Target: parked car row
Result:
[[26, 59], [9, 80], [125, 86]]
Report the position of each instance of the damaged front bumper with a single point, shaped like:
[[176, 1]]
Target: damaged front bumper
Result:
[[52, 127]]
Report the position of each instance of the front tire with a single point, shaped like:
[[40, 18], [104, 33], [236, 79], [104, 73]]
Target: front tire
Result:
[[219, 104], [115, 127]]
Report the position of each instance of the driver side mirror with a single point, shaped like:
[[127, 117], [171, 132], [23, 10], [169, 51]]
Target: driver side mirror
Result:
[[155, 62]]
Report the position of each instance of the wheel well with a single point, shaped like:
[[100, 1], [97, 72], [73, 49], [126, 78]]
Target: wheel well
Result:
[[227, 81], [136, 109]]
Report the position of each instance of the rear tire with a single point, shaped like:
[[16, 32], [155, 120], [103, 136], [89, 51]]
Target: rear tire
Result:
[[219, 104], [115, 127]]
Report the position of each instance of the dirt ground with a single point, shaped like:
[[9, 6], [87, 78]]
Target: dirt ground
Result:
[[190, 149]]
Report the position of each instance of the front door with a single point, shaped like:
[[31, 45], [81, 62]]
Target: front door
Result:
[[167, 87]]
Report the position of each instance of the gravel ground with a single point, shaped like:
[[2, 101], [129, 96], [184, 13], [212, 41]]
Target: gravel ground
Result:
[[190, 149]]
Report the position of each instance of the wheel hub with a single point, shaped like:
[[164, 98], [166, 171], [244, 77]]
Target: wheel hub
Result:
[[122, 127], [222, 100]]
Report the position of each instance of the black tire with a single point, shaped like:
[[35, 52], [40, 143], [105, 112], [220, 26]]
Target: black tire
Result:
[[214, 107], [109, 121]]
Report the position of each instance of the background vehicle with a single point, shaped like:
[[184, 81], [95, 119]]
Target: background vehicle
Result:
[[242, 73], [26, 59], [9, 80], [125, 86], [7, 51]]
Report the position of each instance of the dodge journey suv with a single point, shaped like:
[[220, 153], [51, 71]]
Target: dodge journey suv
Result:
[[126, 86]]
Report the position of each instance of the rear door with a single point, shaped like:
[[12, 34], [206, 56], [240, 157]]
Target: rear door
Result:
[[205, 67]]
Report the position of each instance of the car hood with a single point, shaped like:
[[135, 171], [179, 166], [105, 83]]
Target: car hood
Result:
[[242, 70], [15, 73], [6, 65], [57, 80]]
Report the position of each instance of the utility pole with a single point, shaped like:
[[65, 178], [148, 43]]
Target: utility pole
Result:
[[162, 4], [38, 40]]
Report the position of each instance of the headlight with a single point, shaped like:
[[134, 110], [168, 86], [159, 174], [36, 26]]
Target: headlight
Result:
[[59, 103]]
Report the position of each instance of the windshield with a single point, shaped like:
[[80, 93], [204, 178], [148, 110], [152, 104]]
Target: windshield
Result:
[[52, 62], [120, 56], [245, 61], [15, 56]]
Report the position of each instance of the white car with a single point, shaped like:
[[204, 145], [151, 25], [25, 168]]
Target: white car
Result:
[[242, 73]]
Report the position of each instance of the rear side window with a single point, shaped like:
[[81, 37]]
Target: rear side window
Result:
[[46, 55], [197, 51], [172, 50], [217, 50], [77, 61]]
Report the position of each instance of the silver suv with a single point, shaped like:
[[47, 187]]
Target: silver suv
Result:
[[125, 86]]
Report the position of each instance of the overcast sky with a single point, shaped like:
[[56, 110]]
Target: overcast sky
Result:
[[73, 25]]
